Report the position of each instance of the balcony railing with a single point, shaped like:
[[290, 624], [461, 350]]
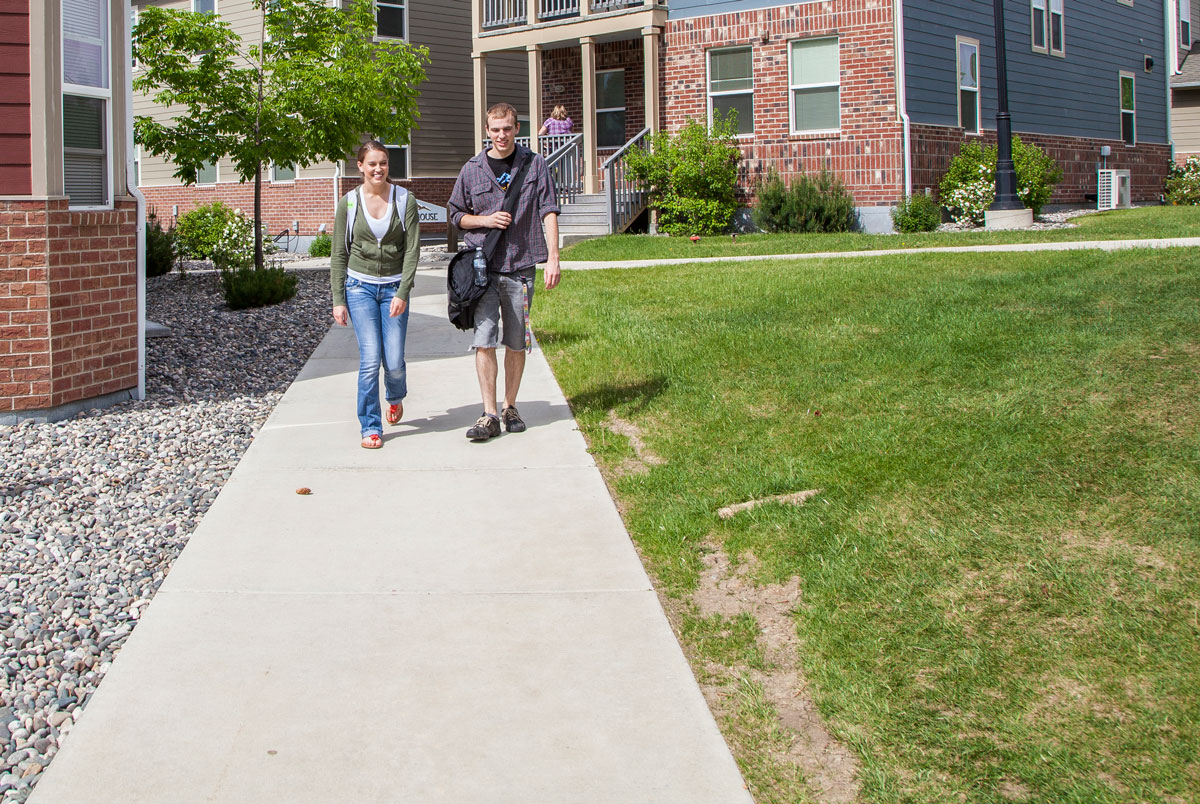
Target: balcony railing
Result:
[[504, 13], [511, 13]]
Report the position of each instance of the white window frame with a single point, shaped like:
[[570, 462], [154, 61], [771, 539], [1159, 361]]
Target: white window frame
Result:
[[709, 94], [407, 162], [1122, 75], [959, 41], [102, 94], [134, 14], [1043, 28], [609, 109], [793, 87], [216, 176], [1060, 51], [403, 5], [1184, 8], [295, 172], [215, 11]]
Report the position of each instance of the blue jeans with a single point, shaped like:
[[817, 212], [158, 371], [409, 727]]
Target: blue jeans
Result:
[[380, 342]]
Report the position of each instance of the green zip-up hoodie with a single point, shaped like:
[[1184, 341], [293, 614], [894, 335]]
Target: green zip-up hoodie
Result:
[[397, 253]]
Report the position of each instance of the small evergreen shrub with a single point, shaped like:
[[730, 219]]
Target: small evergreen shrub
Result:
[[198, 231], [1183, 182], [969, 186], [246, 287], [160, 247], [917, 213], [808, 204], [321, 246], [691, 176]]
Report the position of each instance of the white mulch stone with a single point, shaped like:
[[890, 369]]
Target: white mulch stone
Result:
[[94, 509], [1047, 220]]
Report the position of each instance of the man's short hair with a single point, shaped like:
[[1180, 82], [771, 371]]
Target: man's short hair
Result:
[[502, 110]]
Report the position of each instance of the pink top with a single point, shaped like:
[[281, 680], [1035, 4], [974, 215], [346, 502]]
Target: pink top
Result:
[[555, 126]]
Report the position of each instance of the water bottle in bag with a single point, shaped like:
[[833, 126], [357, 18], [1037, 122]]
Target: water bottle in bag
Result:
[[480, 264]]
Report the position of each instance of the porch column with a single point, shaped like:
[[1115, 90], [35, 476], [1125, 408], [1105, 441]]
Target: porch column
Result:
[[479, 63], [587, 47], [650, 75], [534, 54]]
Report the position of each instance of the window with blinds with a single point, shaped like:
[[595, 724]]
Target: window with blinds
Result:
[[87, 98]]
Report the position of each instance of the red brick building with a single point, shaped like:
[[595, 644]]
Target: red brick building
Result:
[[881, 92], [70, 288]]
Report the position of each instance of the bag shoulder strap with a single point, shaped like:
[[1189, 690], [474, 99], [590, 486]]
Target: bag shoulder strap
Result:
[[511, 196]]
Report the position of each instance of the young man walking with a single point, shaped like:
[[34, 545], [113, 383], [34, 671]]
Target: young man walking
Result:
[[530, 236]]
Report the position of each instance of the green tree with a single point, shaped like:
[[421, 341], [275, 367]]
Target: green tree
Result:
[[317, 82]]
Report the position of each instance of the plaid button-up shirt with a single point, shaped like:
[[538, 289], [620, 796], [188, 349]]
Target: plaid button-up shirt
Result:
[[477, 193]]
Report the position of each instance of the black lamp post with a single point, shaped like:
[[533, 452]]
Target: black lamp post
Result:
[[1006, 174]]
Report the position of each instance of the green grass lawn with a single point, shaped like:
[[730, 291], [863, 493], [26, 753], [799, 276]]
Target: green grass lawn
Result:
[[1001, 574], [1120, 224]]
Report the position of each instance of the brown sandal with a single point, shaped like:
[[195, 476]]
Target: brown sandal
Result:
[[394, 412], [372, 441]]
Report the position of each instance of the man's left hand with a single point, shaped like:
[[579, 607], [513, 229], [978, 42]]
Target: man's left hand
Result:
[[553, 273]]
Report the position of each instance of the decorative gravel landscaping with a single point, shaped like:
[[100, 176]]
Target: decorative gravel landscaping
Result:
[[94, 509]]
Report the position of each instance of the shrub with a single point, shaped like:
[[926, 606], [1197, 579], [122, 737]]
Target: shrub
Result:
[[917, 213], [691, 176], [321, 246], [820, 204], [245, 287], [199, 230], [160, 247], [1183, 182], [969, 186]]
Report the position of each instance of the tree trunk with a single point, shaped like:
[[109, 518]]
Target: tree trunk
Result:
[[258, 244]]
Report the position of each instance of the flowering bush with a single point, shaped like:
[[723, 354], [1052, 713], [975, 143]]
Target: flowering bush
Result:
[[1183, 182], [969, 186]]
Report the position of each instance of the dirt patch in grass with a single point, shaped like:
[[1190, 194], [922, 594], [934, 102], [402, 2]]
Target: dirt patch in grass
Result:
[[829, 768], [644, 459], [795, 498]]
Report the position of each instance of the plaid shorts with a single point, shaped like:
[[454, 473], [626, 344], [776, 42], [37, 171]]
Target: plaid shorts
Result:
[[503, 303]]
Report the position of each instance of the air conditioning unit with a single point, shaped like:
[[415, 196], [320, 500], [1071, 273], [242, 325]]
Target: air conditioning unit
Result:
[[1112, 189]]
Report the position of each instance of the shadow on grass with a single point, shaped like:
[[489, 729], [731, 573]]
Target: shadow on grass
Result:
[[629, 397]]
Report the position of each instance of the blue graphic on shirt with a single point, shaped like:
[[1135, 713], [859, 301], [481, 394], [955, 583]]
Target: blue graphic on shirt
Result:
[[504, 180]]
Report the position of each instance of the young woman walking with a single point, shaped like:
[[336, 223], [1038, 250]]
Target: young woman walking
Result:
[[376, 243]]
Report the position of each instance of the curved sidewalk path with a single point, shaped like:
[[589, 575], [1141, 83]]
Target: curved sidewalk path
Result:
[[439, 621], [1102, 245]]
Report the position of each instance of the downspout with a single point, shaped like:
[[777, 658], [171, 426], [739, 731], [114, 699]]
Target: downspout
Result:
[[901, 93], [337, 186], [131, 186], [1172, 45]]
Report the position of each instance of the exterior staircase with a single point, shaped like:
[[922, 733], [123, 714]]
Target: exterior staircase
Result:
[[584, 217]]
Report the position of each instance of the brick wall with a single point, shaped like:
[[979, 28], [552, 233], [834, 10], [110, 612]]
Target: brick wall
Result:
[[15, 142], [24, 306], [68, 303], [934, 146], [867, 151], [562, 81], [309, 201]]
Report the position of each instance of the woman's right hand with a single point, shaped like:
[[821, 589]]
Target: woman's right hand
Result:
[[341, 315]]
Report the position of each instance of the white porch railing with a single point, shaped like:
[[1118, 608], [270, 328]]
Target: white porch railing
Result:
[[503, 13], [566, 168], [557, 9], [510, 13], [547, 143], [626, 197]]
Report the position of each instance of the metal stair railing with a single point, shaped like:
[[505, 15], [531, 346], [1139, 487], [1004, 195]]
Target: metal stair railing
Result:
[[566, 168], [626, 197]]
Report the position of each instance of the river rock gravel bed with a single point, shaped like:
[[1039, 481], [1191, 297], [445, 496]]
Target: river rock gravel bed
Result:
[[95, 508]]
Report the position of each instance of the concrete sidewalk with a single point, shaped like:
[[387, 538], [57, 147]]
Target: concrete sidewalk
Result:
[[440, 621], [1101, 245]]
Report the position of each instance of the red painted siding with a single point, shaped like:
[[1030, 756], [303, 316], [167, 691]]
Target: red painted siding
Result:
[[15, 148]]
